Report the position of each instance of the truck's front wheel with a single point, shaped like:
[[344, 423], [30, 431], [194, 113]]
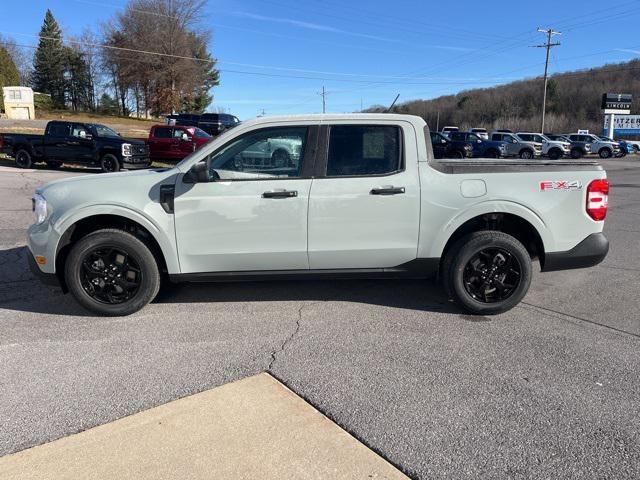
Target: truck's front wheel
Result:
[[23, 158], [112, 272], [487, 272]]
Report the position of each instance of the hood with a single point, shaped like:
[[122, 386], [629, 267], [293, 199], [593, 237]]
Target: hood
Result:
[[98, 180]]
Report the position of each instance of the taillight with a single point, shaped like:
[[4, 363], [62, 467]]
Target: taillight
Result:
[[598, 199]]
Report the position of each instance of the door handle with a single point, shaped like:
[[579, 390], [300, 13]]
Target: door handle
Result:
[[387, 191], [280, 194]]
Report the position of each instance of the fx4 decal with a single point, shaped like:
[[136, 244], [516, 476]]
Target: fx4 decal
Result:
[[560, 185]]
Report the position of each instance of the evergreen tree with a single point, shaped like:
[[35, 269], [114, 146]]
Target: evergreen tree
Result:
[[8, 73], [49, 61], [78, 81]]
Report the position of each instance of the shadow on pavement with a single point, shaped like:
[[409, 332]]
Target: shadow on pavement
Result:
[[21, 291]]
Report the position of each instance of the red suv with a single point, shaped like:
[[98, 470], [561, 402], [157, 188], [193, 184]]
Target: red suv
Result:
[[174, 142]]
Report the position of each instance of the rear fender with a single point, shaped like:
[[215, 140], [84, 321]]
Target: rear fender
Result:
[[440, 240]]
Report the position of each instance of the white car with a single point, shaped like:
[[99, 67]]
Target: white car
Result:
[[481, 132], [554, 149]]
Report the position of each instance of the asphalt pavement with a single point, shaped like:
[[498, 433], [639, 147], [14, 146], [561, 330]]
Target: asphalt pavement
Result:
[[548, 390]]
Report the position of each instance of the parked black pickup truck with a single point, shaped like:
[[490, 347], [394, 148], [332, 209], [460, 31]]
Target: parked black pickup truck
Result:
[[77, 143]]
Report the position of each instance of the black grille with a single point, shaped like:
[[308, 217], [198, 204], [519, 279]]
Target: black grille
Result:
[[140, 149]]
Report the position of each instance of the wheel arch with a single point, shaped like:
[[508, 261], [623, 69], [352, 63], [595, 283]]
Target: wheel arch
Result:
[[508, 223], [80, 225]]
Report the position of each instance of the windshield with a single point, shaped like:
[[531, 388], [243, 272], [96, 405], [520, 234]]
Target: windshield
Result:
[[201, 133], [102, 131]]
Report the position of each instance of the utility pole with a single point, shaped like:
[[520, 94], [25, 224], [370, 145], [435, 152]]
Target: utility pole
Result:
[[548, 45], [324, 102]]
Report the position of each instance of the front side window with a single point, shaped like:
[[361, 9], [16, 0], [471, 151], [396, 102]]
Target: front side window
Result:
[[80, 131], [362, 150], [262, 154], [178, 132]]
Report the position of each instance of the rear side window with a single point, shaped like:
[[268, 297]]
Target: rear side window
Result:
[[162, 133], [458, 136], [363, 150], [59, 130], [497, 137]]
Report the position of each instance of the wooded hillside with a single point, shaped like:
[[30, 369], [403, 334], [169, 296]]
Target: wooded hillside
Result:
[[573, 101]]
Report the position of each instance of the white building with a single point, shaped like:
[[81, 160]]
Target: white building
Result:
[[18, 103]]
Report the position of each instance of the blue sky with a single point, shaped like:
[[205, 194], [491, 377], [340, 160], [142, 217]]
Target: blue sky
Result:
[[276, 55]]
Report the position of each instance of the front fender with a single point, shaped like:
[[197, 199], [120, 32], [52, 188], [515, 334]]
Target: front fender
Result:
[[482, 208], [163, 234]]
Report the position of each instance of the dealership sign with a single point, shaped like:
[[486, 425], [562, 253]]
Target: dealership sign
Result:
[[624, 124], [616, 103]]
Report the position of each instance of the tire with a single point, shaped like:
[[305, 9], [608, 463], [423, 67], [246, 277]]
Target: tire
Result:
[[280, 159], [636, 148], [131, 283], [461, 275], [491, 153], [605, 153], [109, 163], [54, 165], [23, 158], [555, 153], [526, 154], [576, 153]]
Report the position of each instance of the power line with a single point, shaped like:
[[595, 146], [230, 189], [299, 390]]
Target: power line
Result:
[[548, 45]]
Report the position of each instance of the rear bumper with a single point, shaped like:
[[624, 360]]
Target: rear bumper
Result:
[[589, 252]]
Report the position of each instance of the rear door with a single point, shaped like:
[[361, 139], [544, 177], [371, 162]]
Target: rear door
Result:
[[365, 202], [55, 140], [160, 142]]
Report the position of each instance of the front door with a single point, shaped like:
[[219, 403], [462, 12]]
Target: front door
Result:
[[365, 211], [160, 142], [249, 216]]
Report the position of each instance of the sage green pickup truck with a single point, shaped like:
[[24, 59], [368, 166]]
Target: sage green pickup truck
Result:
[[362, 197]]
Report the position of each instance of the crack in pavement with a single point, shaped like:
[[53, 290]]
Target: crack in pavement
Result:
[[563, 316], [287, 340]]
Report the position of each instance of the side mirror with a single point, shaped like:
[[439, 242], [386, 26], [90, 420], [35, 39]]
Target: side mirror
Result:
[[199, 173], [185, 137]]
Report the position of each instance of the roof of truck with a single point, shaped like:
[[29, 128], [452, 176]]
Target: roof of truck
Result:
[[327, 117]]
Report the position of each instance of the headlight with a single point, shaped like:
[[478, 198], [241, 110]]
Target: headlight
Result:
[[39, 206], [126, 149]]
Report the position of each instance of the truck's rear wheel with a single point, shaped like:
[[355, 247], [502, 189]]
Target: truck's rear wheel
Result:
[[112, 273], [23, 158], [576, 153], [109, 163], [487, 272]]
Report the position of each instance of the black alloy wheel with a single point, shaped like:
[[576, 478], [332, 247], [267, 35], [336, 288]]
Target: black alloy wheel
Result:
[[526, 154], [110, 275], [492, 275], [109, 163], [23, 159]]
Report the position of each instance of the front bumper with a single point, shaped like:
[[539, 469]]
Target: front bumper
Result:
[[136, 162], [589, 252], [50, 279]]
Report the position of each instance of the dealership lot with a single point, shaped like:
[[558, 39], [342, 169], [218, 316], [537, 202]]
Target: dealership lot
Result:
[[549, 389]]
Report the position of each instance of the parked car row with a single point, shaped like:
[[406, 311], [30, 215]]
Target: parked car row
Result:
[[526, 145]]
